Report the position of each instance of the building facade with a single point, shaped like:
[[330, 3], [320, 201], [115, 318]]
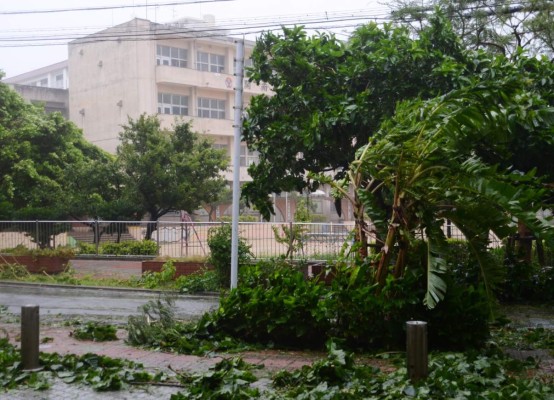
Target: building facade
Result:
[[181, 71], [171, 70], [47, 86]]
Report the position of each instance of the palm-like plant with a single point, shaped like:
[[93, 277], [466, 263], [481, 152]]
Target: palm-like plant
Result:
[[426, 161]]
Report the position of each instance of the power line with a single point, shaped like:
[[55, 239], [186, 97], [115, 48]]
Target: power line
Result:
[[162, 31], [101, 8]]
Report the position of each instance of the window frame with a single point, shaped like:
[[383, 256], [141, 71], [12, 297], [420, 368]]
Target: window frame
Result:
[[211, 108], [210, 62], [171, 56], [169, 103]]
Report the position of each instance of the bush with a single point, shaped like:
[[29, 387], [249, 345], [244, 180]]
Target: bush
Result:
[[201, 281], [273, 304], [60, 251], [367, 316], [524, 282], [87, 248], [152, 280], [219, 241], [131, 247]]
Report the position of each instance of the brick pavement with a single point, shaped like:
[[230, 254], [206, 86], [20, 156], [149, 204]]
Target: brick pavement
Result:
[[61, 342]]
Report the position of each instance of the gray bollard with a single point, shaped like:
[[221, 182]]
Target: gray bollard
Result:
[[416, 350], [30, 338]]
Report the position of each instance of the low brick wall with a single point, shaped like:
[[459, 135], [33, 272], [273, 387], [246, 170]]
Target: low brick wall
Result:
[[181, 267], [38, 264]]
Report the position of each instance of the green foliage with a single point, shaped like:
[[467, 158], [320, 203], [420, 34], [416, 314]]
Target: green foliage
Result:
[[168, 170], [275, 304], [49, 171], [101, 373], [451, 375], [502, 29], [329, 94], [131, 247], [219, 242], [526, 282], [148, 327], [293, 236], [156, 327], [229, 379], [60, 251], [97, 332], [201, 281], [13, 271], [272, 304], [87, 248], [369, 316], [524, 338], [425, 158], [152, 280]]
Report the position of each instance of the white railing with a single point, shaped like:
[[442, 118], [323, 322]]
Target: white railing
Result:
[[317, 241]]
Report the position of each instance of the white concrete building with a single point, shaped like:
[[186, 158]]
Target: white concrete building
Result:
[[53, 76], [171, 70], [46, 86], [181, 71]]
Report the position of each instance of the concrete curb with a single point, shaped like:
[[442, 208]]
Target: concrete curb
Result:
[[122, 290]]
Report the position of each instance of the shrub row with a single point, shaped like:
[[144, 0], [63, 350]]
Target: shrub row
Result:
[[275, 304], [129, 247]]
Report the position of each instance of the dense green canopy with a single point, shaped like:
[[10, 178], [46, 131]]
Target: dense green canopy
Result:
[[169, 170], [41, 156]]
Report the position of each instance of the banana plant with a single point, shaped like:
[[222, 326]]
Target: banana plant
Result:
[[425, 159]]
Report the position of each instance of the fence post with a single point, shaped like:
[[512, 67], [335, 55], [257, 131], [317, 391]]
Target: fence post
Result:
[[37, 240], [30, 337], [158, 236], [97, 236], [291, 240], [416, 350]]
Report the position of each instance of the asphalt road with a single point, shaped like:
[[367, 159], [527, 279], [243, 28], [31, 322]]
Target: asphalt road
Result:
[[91, 303]]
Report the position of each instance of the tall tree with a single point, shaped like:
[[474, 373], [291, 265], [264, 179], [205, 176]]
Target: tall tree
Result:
[[39, 154], [329, 97], [426, 159], [168, 170], [498, 27]]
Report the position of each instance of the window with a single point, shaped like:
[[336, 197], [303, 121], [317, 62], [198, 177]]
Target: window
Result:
[[210, 62], [173, 56], [59, 81], [173, 104], [248, 157], [211, 108]]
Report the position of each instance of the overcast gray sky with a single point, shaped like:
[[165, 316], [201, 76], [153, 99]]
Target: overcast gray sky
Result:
[[26, 39]]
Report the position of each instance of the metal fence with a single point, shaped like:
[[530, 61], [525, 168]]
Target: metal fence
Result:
[[317, 241]]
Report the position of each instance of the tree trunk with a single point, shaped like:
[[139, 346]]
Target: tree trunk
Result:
[[151, 226], [360, 227], [525, 243], [401, 259]]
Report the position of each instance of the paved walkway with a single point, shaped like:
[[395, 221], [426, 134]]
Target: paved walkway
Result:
[[60, 341]]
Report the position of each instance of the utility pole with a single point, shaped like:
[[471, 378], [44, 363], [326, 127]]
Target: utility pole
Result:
[[239, 62]]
